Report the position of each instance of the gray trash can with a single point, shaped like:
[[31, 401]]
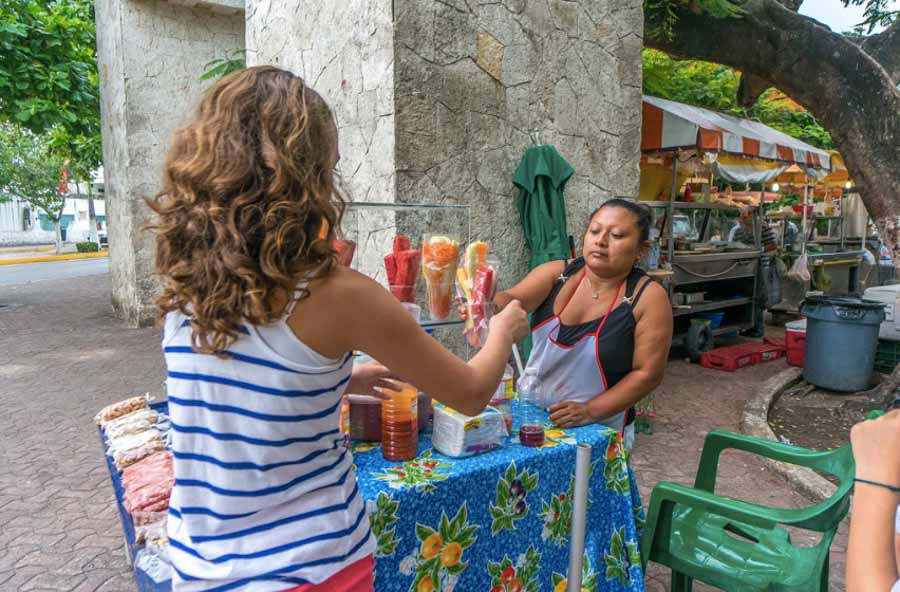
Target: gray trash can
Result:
[[841, 338]]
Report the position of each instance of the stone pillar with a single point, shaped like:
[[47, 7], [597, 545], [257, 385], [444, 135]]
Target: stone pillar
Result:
[[151, 55], [435, 99]]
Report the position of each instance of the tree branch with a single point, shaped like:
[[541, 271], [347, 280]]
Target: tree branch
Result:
[[844, 88], [885, 48]]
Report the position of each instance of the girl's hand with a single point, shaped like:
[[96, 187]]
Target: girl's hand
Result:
[[876, 449], [368, 378], [568, 414]]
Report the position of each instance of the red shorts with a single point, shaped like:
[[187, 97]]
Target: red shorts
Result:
[[356, 577]]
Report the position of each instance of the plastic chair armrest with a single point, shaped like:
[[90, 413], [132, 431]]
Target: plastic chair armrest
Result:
[[718, 441]]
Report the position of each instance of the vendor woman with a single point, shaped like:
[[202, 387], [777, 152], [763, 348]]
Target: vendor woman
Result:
[[601, 329]]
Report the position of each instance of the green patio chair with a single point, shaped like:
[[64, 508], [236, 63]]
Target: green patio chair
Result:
[[738, 546]]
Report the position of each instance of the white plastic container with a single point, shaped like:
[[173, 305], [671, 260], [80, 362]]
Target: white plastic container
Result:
[[890, 297]]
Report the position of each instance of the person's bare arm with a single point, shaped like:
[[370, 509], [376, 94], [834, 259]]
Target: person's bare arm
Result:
[[373, 321], [871, 558], [534, 288], [652, 338]]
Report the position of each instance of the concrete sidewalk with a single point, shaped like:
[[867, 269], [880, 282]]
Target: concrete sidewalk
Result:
[[69, 357]]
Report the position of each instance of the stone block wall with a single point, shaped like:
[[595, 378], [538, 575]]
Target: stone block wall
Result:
[[473, 78], [151, 55], [434, 100]]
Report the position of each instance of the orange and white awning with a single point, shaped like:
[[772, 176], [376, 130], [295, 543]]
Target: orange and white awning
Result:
[[668, 125]]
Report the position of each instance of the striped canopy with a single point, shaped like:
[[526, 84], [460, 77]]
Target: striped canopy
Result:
[[669, 125]]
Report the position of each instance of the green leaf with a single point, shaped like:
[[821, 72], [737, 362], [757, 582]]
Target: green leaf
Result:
[[556, 579], [457, 569], [423, 532], [494, 570], [444, 527], [511, 472], [503, 494]]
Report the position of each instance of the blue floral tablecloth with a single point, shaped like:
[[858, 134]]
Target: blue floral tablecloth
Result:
[[495, 522], [500, 521]]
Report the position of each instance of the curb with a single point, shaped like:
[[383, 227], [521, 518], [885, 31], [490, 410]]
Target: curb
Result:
[[32, 249], [755, 422], [47, 258]]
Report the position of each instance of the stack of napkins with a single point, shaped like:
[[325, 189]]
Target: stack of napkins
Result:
[[459, 435]]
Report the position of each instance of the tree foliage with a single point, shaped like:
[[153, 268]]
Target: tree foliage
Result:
[[30, 171], [48, 67], [714, 86]]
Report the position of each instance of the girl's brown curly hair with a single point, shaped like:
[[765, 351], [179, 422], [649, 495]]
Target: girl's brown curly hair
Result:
[[248, 188]]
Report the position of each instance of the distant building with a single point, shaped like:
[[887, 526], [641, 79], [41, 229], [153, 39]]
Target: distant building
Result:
[[23, 224]]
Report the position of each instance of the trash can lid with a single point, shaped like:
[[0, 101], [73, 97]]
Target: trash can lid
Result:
[[845, 301]]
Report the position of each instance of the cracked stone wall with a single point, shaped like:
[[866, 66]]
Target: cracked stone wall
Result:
[[473, 78], [345, 51], [151, 55]]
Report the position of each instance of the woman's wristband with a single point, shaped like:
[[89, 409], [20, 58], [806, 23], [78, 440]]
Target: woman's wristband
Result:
[[877, 484]]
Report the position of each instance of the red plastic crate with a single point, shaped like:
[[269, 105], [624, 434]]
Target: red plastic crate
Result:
[[736, 357], [728, 359], [796, 347], [766, 352], [776, 341]]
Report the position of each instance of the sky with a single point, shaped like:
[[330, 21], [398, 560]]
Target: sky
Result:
[[833, 13]]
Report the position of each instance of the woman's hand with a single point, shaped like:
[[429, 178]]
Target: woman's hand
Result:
[[569, 414], [511, 319], [367, 378]]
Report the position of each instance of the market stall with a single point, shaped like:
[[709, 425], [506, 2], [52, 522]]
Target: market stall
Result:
[[478, 522], [715, 282], [816, 226], [503, 501]]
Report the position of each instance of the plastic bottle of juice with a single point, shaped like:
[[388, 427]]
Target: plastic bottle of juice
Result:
[[400, 424], [531, 409]]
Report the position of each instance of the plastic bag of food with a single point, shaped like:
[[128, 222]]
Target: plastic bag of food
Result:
[[154, 564], [152, 469], [154, 531], [152, 497], [132, 426], [799, 271], [119, 447], [127, 459], [111, 412], [142, 518]]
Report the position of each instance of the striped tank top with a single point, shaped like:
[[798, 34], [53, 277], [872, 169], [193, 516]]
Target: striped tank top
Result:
[[265, 494]]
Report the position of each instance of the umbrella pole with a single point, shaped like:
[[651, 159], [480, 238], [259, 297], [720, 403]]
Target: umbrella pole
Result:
[[673, 195], [579, 516], [803, 213]]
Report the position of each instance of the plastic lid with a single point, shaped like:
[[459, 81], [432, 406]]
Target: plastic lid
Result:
[[845, 301]]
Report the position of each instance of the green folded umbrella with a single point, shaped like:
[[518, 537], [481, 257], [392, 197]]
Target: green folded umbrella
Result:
[[541, 178]]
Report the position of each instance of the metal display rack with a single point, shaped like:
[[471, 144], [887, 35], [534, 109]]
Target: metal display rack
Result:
[[728, 280]]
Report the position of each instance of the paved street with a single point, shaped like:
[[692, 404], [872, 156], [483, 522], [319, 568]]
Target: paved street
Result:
[[65, 357], [11, 275]]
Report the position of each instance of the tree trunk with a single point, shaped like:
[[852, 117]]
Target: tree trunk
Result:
[[851, 94], [92, 215], [57, 224]]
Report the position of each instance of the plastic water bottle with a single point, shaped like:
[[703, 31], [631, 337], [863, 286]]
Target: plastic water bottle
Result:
[[531, 409]]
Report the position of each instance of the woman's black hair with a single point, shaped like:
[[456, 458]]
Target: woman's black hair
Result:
[[641, 213]]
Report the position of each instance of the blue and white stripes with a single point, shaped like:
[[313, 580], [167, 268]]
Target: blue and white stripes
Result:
[[265, 497]]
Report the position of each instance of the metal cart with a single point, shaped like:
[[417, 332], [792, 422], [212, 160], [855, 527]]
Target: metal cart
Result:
[[702, 283]]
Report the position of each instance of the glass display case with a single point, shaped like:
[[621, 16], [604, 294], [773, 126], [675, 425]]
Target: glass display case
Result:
[[373, 226]]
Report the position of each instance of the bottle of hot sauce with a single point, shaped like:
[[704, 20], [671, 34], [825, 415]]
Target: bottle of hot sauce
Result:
[[400, 424]]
